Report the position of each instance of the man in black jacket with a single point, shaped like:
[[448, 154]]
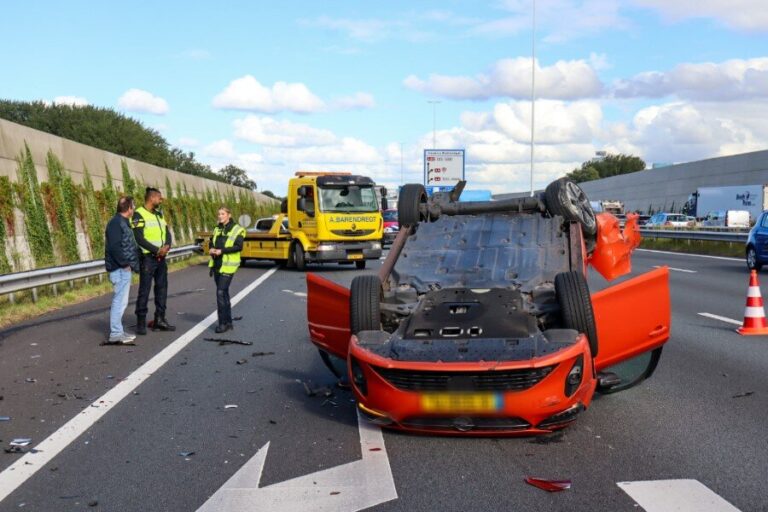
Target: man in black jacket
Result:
[[121, 256]]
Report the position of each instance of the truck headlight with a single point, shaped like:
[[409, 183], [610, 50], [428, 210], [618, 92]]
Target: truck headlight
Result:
[[326, 247], [376, 246]]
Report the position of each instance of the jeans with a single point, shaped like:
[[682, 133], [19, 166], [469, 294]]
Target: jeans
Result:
[[223, 306], [151, 269], [121, 283]]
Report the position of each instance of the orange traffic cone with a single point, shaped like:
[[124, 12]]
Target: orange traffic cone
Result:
[[754, 313]]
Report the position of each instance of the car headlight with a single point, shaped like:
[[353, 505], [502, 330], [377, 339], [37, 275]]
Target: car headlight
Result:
[[574, 377]]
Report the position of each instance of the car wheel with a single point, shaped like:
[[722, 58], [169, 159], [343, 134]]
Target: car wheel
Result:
[[412, 196], [752, 263], [299, 256], [360, 265], [565, 198], [576, 306], [365, 304]]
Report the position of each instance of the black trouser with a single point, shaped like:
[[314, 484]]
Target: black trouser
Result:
[[223, 306], [157, 270]]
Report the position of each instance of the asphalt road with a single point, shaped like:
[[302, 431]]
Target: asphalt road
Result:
[[701, 416]]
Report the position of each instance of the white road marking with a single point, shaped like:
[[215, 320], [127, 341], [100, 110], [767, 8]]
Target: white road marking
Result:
[[18, 473], [675, 496], [678, 269], [350, 487], [694, 255], [298, 294], [722, 318]]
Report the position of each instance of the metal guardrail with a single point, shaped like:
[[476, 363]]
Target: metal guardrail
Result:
[[33, 279], [712, 236]]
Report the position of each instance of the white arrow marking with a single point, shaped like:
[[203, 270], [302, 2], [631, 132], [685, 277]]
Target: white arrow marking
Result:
[[675, 496], [347, 488], [721, 318]]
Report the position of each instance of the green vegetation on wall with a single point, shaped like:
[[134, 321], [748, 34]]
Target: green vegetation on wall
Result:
[[38, 234], [94, 224], [61, 209], [6, 221]]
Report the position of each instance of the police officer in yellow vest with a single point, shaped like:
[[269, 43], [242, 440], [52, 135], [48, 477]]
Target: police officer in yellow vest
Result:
[[154, 239], [226, 245]]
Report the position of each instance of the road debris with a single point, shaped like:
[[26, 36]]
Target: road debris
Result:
[[186, 454], [223, 341], [241, 361], [548, 485], [21, 441], [93, 503], [334, 493], [230, 406], [322, 391], [30, 380], [742, 395], [237, 318], [5, 418], [259, 354], [273, 422]]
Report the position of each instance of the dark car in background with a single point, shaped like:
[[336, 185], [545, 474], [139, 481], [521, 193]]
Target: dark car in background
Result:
[[757, 243], [391, 225]]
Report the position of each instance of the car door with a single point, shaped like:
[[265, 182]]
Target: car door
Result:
[[761, 238], [328, 315], [633, 323]]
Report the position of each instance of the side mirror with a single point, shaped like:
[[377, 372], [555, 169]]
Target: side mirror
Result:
[[384, 203], [305, 191], [305, 206]]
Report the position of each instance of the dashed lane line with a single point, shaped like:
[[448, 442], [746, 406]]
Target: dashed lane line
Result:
[[21, 470], [685, 270], [675, 496], [694, 255], [721, 318]]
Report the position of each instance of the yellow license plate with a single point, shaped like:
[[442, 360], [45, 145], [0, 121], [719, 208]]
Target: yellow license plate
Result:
[[461, 402], [354, 256]]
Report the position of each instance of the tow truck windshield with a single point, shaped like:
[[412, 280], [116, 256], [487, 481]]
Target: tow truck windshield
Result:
[[348, 198]]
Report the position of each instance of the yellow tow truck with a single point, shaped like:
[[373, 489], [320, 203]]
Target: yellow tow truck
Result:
[[326, 217]]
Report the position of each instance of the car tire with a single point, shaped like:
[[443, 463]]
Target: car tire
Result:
[[565, 198], [752, 262], [299, 256], [412, 196], [576, 306], [360, 264], [365, 304]]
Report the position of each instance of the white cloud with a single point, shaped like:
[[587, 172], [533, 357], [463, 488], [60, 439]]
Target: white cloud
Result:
[[246, 93], [268, 131], [725, 81], [73, 101], [195, 54], [512, 78], [137, 100], [346, 151], [364, 30], [750, 15], [220, 149], [558, 20], [357, 101]]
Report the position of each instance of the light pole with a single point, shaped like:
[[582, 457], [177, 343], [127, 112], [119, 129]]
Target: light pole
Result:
[[434, 121], [533, 86]]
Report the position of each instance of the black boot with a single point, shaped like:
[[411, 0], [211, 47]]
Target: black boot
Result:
[[221, 328], [161, 324], [141, 324]]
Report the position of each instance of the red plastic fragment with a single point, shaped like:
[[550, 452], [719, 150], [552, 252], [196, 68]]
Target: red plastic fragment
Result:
[[548, 485], [374, 449]]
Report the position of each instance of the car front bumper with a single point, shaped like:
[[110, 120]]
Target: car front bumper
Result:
[[541, 408]]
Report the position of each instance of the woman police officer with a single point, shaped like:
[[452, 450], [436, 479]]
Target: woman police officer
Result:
[[226, 245]]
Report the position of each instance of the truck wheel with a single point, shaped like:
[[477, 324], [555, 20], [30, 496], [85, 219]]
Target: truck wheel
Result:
[[365, 304], [752, 262], [565, 198], [576, 306], [360, 264], [412, 196], [299, 256]]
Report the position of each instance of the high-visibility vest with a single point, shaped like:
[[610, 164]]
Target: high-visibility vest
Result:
[[229, 262], [153, 226]]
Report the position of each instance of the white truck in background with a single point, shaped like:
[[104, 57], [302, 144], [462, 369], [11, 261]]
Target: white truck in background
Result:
[[752, 198]]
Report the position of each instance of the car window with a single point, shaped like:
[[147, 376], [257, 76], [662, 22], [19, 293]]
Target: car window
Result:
[[764, 222]]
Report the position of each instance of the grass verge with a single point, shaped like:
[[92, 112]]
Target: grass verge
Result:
[[732, 249], [23, 308]]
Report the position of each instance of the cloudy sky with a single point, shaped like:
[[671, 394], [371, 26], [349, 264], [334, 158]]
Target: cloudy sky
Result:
[[275, 87]]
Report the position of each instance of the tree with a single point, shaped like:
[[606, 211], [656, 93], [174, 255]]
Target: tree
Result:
[[271, 194], [236, 176], [610, 165]]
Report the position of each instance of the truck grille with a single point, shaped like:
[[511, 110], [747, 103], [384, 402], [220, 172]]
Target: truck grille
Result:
[[504, 380], [352, 232]]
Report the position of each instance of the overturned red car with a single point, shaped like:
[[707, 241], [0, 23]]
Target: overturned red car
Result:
[[481, 321]]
